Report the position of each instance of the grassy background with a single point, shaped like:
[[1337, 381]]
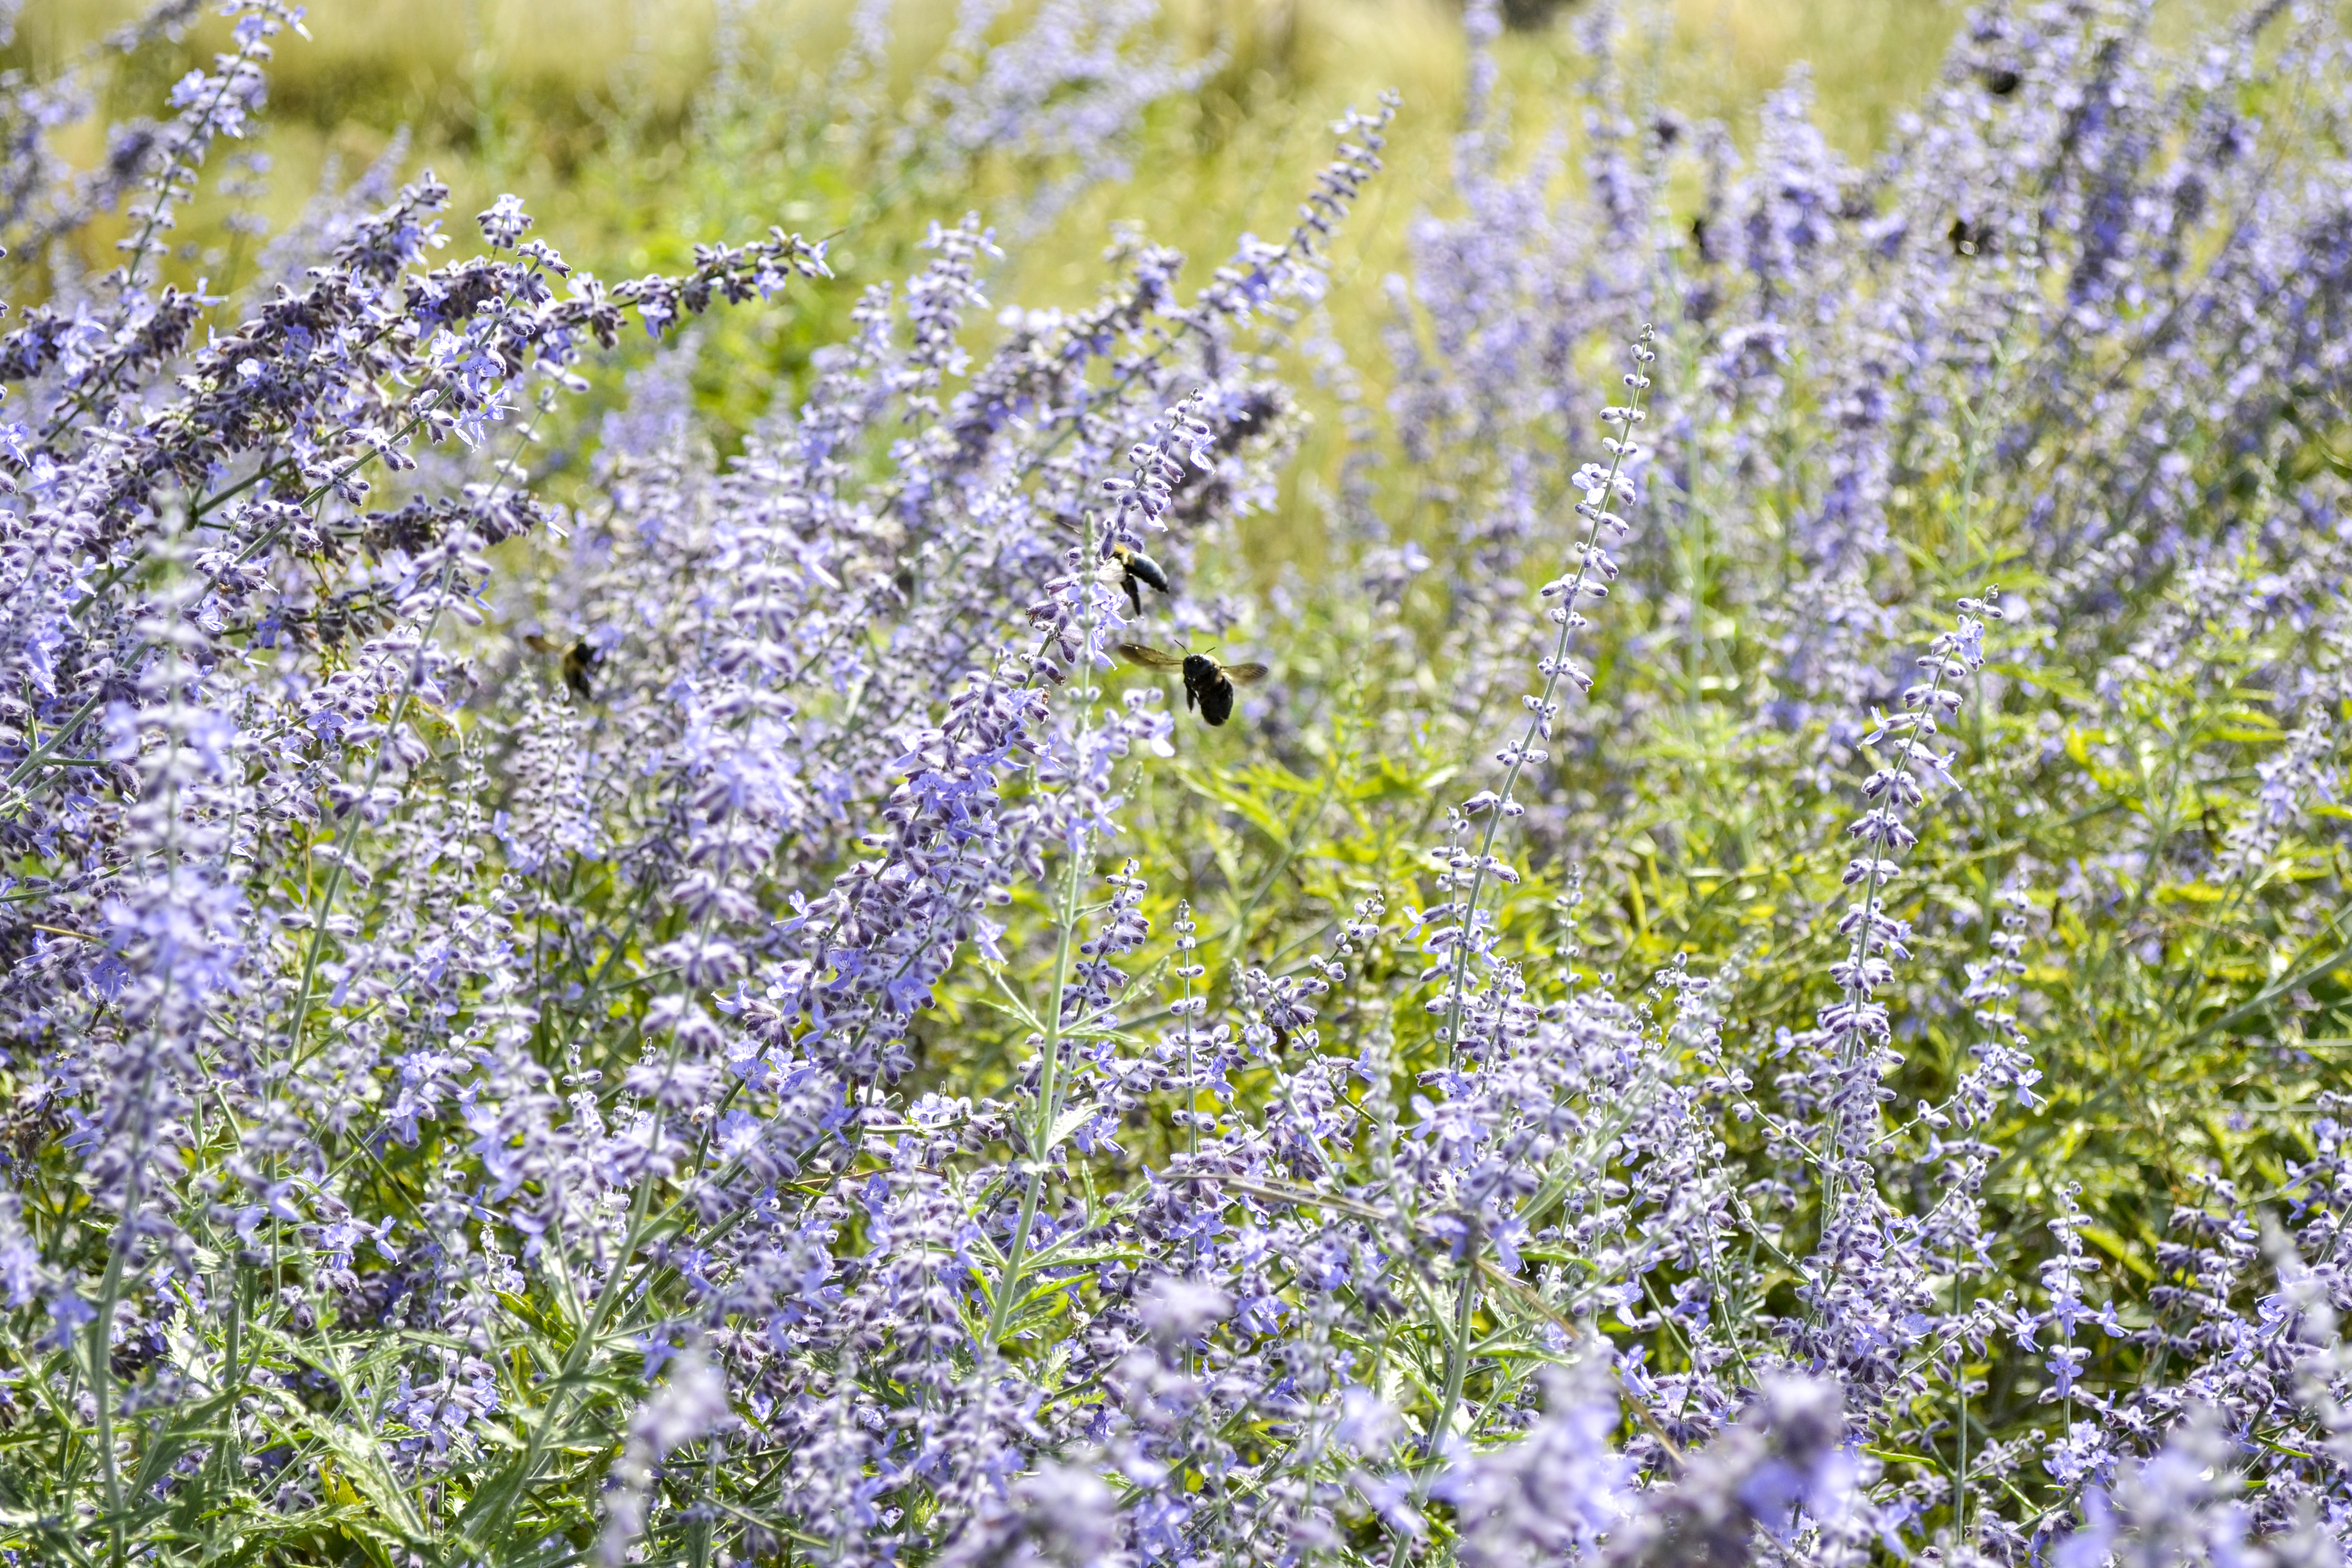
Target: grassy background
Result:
[[588, 108], [509, 84]]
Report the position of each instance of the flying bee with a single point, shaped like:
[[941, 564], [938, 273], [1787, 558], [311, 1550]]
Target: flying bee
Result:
[[1137, 570], [1969, 238], [1206, 682], [579, 661]]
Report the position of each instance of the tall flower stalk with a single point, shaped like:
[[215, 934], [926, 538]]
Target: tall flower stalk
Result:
[[1593, 571]]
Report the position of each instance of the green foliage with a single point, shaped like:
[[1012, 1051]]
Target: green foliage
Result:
[[2189, 1012]]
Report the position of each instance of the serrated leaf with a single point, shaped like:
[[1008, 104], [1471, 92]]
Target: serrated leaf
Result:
[[1072, 1118], [361, 1459]]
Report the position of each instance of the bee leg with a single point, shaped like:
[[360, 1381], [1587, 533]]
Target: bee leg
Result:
[[1134, 594]]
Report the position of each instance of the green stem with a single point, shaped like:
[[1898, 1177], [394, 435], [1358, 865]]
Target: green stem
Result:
[[1457, 1363], [1049, 1091], [1457, 1366], [1960, 1386]]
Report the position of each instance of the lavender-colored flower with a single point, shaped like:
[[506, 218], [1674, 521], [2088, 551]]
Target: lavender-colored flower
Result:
[[581, 977]]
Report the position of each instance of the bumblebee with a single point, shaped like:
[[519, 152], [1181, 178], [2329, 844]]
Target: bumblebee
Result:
[[1207, 684], [579, 661], [1137, 571]]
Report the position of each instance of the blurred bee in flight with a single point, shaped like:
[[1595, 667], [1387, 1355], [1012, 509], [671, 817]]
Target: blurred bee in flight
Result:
[[1137, 571], [579, 661], [1207, 684]]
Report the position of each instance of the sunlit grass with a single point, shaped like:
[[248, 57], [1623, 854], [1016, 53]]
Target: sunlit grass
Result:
[[586, 107]]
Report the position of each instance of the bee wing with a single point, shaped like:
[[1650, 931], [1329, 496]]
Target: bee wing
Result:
[[1149, 657], [538, 644], [1244, 674]]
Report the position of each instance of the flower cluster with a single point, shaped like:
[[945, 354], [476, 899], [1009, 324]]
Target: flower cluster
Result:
[[567, 994]]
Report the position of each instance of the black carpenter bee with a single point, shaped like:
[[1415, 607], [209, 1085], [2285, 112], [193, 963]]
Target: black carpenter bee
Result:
[[1206, 682], [1137, 569], [579, 661]]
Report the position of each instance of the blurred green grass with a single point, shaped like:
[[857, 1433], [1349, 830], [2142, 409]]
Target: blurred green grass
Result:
[[589, 110], [555, 65], [534, 95]]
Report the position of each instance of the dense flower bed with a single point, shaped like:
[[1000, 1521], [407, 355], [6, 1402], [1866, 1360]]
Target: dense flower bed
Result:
[[1755, 983]]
